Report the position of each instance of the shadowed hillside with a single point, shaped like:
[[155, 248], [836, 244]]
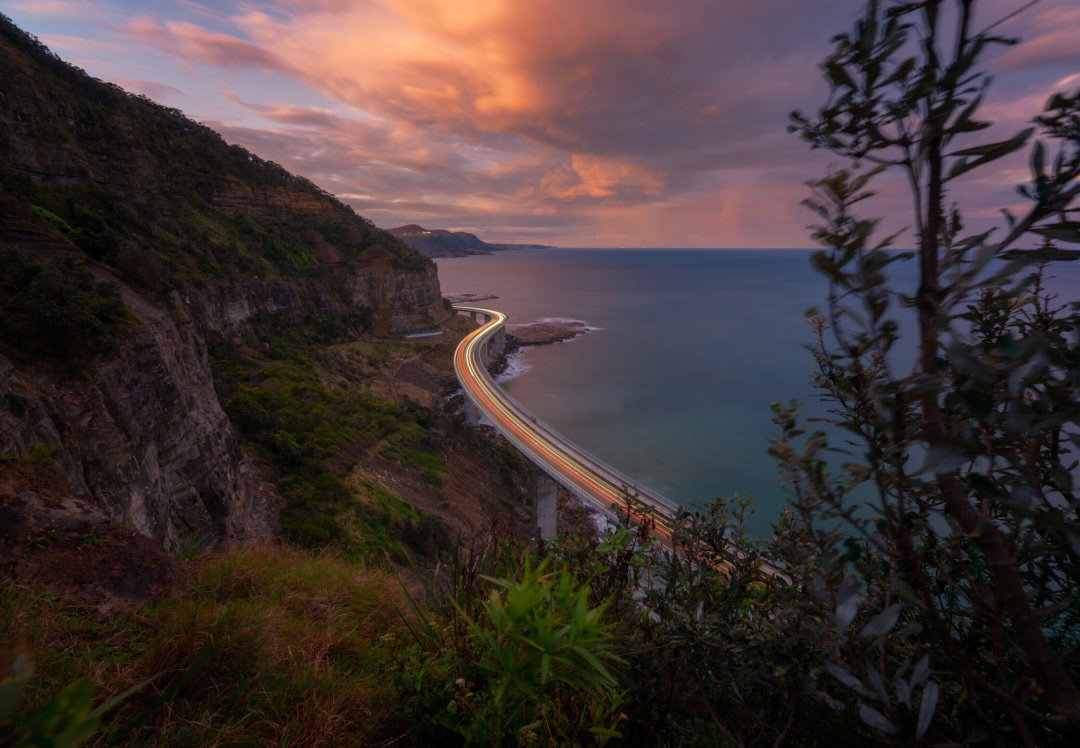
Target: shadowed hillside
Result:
[[163, 200], [131, 236]]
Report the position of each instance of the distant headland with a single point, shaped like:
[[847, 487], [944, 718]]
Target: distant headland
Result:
[[444, 243]]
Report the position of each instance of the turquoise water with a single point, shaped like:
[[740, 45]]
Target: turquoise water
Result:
[[692, 346]]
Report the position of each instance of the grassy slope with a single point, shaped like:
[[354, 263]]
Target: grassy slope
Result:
[[294, 643], [360, 458], [306, 408]]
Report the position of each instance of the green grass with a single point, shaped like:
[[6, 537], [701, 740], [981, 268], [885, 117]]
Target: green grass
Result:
[[294, 645]]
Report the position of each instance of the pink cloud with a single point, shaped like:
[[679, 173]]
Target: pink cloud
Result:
[[589, 116], [157, 91], [193, 42], [53, 8], [1061, 46], [79, 45]]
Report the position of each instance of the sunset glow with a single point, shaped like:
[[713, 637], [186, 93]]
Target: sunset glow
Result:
[[578, 124]]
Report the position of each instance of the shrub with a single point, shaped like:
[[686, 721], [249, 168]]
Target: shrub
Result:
[[961, 554], [532, 663], [56, 314]]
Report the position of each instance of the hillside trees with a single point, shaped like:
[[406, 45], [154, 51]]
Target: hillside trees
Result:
[[960, 557]]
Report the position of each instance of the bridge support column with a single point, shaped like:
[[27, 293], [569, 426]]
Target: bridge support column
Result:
[[544, 492], [472, 316], [498, 342], [472, 413]]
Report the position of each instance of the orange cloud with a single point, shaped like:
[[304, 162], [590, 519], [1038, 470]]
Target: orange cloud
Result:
[[620, 121]]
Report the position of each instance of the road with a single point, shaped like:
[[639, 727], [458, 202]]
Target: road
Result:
[[569, 465]]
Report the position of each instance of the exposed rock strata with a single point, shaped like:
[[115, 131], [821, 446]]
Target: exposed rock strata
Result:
[[141, 433]]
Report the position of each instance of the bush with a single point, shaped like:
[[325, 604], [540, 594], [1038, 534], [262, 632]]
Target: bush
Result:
[[951, 571], [533, 664], [56, 314]]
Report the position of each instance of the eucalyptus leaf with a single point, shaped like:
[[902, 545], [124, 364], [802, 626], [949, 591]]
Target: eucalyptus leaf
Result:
[[882, 623], [876, 720], [942, 458], [877, 683], [922, 668], [972, 158], [845, 612], [1065, 231], [927, 707], [903, 691], [847, 679]]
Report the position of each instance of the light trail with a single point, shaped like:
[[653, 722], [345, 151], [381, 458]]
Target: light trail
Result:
[[569, 465]]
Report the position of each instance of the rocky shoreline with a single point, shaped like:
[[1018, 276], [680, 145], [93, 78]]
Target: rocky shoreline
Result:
[[540, 332], [546, 331]]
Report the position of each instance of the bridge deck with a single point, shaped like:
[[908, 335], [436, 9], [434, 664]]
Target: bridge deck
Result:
[[600, 485]]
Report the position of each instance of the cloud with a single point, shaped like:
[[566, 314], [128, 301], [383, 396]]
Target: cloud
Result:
[[193, 42], [1049, 39], [582, 117], [1060, 47], [53, 8], [79, 45], [156, 91]]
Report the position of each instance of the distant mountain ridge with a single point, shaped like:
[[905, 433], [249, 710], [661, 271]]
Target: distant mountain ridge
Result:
[[444, 243]]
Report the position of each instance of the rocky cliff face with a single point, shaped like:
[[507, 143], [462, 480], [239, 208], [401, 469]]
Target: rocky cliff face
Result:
[[140, 433], [227, 309], [200, 238], [400, 301]]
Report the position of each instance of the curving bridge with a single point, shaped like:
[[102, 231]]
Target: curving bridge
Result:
[[557, 459]]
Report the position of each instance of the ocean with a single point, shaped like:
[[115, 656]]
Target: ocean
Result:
[[673, 385]]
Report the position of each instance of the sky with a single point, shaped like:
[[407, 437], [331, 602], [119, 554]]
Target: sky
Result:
[[591, 123]]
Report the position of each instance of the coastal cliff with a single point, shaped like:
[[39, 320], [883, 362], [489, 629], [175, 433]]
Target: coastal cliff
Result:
[[385, 299], [191, 240], [140, 434]]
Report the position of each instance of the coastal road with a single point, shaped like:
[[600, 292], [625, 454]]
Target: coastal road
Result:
[[579, 472]]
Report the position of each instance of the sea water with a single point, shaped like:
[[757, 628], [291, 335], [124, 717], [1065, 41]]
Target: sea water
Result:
[[673, 386]]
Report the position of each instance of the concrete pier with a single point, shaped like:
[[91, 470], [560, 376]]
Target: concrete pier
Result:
[[472, 413], [494, 347], [545, 505], [498, 342]]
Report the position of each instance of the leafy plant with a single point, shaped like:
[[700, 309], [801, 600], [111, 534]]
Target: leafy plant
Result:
[[962, 540], [66, 720], [540, 635], [533, 663]]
